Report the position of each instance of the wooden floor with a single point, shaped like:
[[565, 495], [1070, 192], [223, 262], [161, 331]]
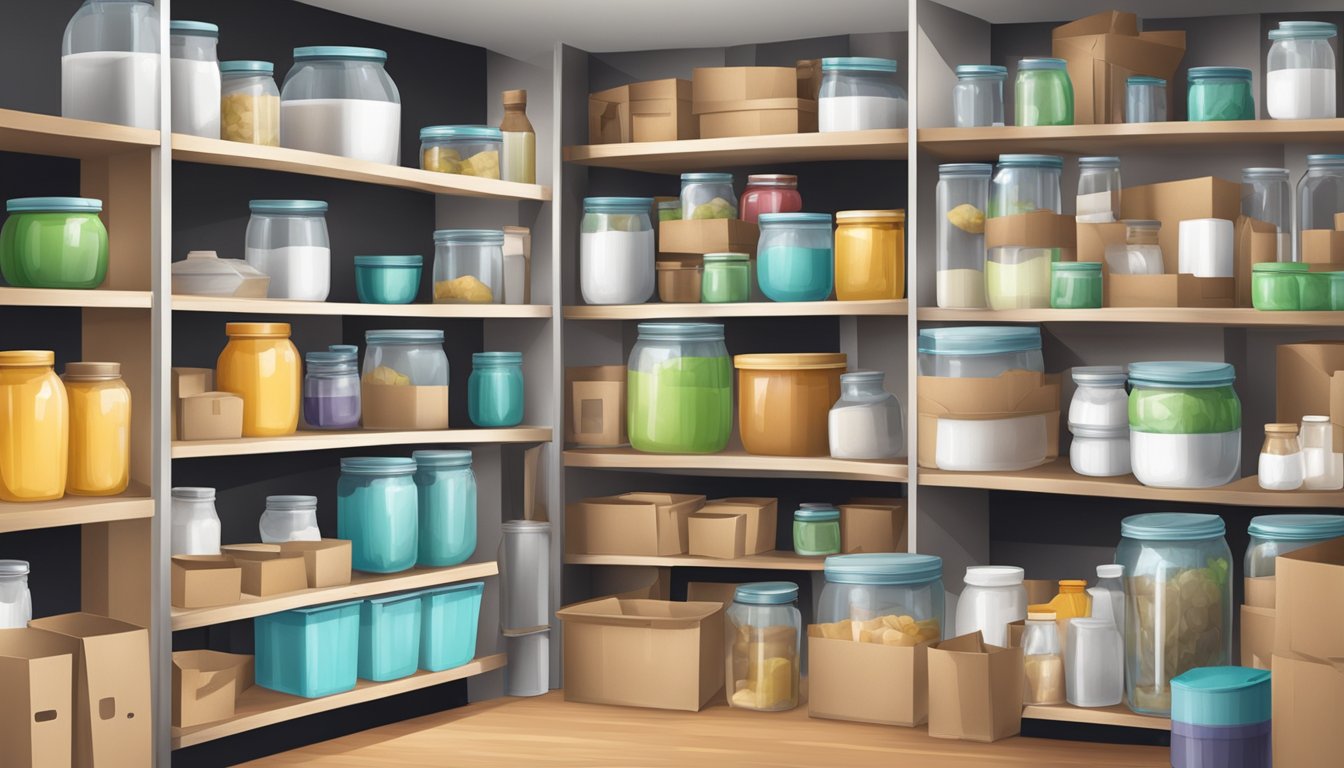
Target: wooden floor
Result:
[[547, 731]]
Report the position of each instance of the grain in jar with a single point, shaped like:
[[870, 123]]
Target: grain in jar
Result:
[[249, 104]]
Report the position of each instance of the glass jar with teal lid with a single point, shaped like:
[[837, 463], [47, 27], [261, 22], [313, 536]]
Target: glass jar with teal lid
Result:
[[340, 100], [1075, 285], [872, 586], [1184, 424], [977, 98], [1017, 276], [53, 242], [816, 530], [669, 210], [495, 389], [1274, 286], [795, 260], [708, 196], [859, 93], [469, 266], [1300, 71], [388, 279], [331, 397], [378, 512], [1145, 99], [679, 389], [1274, 535], [446, 502], [1314, 290], [1044, 93], [765, 631], [980, 351], [727, 278], [469, 150], [1219, 93], [1320, 196]]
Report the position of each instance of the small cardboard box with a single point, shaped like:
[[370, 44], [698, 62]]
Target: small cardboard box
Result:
[[1169, 291], [517, 265], [867, 682], [872, 528], [761, 517], [696, 237], [710, 592], [37, 710], [595, 406], [720, 84], [211, 416], [206, 685], [185, 383], [721, 536], [1257, 637], [609, 116], [975, 690], [202, 581], [1309, 601], [1310, 381], [1011, 394], [1339, 221], [1038, 229], [809, 78], [660, 110], [631, 524], [327, 561], [1308, 697], [269, 571], [1322, 246], [756, 117], [1103, 51], [643, 653], [1259, 591]]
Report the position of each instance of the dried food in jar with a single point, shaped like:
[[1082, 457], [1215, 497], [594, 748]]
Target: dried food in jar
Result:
[[448, 160], [1187, 613], [967, 218], [467, 288], [250, 118]]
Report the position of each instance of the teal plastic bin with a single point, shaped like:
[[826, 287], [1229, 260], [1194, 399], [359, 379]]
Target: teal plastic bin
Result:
[[448, 625], [389, 637], [308, 652]]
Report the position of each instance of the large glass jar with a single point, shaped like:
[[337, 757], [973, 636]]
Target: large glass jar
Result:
[[865, 423], [34, 427], [100, 429], [963, 198], [1141, 254], [1098, 190], [679, 389], [1274, 535], [1178, 602], [331, 390], [287, 240], [859, 93], [196, 525], [1219, 93], [1044, 93], [871, 592], [110, 63], [977, 98], [707, 196], [469, 266], [1184, 424], [378, 512], [616, 250], [495, 389], [765, 632], [726, 279], [1320, 195], [770, 193], [1042, 658], [261, 365], [289, 518], [249, 103], [869, 255], [794, 257], [469, 150], [1018, 277], [53, 242], [979, 352], [1282, 466], [446, 493], [1267, 196], [994, 597], [1145, 99], [816, 530], [341, 101], [784, 401], [1300, 72], [404, 384], [1100, 399], [16, 602], [195, 69]]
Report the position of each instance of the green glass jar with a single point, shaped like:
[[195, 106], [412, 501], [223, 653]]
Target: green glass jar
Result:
[[1219, 93], [1335, 280], [727, 278], [1274, 286], [1314, 289], [680, 389], [816, 530], [1075, 285], [1044, 94], [54, 242]]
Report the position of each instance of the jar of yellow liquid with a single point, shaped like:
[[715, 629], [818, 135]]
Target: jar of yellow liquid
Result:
[[869, 255], [34, 427], [261, 365], [100, 429]]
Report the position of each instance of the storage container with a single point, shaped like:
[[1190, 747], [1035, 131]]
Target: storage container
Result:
[[1320, 195], [769, 193], [388, 279], [519, 162], [859, 93], [1100, 451], [1142, 254], [1094, 663], [308, 652], [1220, 717], [669, 210], [377, 510], [1018, 277], [707, 196], [979, 352], [495, 389], [389, 637], [53, 242], [977, 98], [469, 150], [249, 103], [287, 240], [34, 427], [405, 380], [1100, 399], [1075, 285], [1314, 290], [446, 504], [529, 669], [1219, 93], [1178, 602], [203, 273], [765, 632], [1108, 597], [289, 518], [679, 389], [100, 429], [963, 198], [261, 365], [679, 282], [816, 530], [1274, 535], [616, 250], [195, 70], [993, 598], [195, 522], [341, 101], [794, 259], [448, 621], [784, 401], [16, 602], [110, 63], [1072, 601], [882, 587], [869, 255], [1145, 99], [726, 279], [1206, 248], [1184, 423], [525, 575], [331, 390], [866, 422], [1267, 196], [1300, 71], [1044, 93], [1321, 463], [1098, 190], [469, 266], [1042, 658]]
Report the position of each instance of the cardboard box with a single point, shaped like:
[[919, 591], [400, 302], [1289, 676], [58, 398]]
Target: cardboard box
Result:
[[1039, 591], [721, 536], [809, 78], [720, 84], [206, 685], [211, 416], [1257, 243], [1172, 202], [756, 117], [202, 581], [696, 237], [710, 592], [1038, 229], [327, 561], [660, 110], [1322, 246], [1169, 291], [1014, 393], [517, 265], [1339, 221], [609, 116], [1259, 592], [1309, 601], [268, 571], [1308, 697], [975, 690], [1310, 381], [643, 653], [631, 524], [595, 406], [1103, 51], [1257, 637], [761, 518], [37, 710], [872, 528], [867, 682], [185, 383]]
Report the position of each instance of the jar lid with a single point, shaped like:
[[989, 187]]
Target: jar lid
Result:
[[965, 169], [772, 180], [1181, 374], [329, 358], [801, 361], [1221, 696], [390, 261], [263, 330], [54, 205], [1265, 173], [1082, 267], [27, 358], [858, 64], [378, 465], [291, 503], [1098, 162], [481, 132], [816, 505], [678, 331], [863, 377], [526, 526], [726, 257], [190, 493], [663, 205], [349, 349], [981, 70], [456, 458], [246, 67], [979, 340], [1071, 586], [618, 204], [404, 337], [338, 52], [1281, 266], [1100, 375], [1152, 224], [1316, 161], [1290, 30], [1297, 527], [1116, 432], [706, 178], [794, 219], [497, 358], [1031, 161], [193, 28], [994, 576], [766, 593], [1145, 80], [1315, 419], [883, 568], [1205, 73], [469, 236], [816, 514], [870, 217], [1041, 62], [1110, 571], [1172, 526], [287, 206], [514, 98], [1040, 612], [14, 568], [1281, 429], [92, 371]]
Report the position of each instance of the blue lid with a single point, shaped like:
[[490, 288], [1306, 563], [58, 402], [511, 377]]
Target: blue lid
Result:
[[1291, 30], [404, 337], [883, 568], [54, 205], [378, 465], [479, 132], [1171, 526], [979, 340], [1076, 266], [457, 458], [1182, 374], [1203, 73], [1042, 62], [496, 358], [1315, 161], [390, 261], [1297, 527], [706, 178], [193, 28], [349, 349], [816, 514], [287, 206], [246, 67], [709, 331], [315, 52], [981, 70], [965, 169], [766, 593], [617, 204], [858, 64], [1031, 161], [794, 219], [329, 358], [1145, 80], [469, 236], [1221, 696], [1098, 162], [863, 377]]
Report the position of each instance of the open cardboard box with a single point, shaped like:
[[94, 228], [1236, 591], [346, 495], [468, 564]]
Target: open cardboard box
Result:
[[631, 524], [1102, 51], [1038, 229], [1308, 697], [609, 116], [1011, 394], [185, 382], [595, 406], [660, 110], [696, 237], [267, 570], [975, 690], [761, 518], [721, 536], [1310, 381], [202, 581], [1309, 602], [327, 561], [867, 682], [206, 685], [37, 710], [873, 527]]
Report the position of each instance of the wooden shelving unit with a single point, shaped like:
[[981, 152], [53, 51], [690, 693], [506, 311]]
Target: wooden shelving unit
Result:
[[1233, 317], [1118, 715], [677, 156], [738, 463], [134, 504], [345, 309], [896, 308], [34, 134], [318, 440], [775, 561], [55, 297]]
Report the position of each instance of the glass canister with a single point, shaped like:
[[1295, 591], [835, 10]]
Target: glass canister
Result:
[[726, 279], [1219, 93], [1042, 658], [770, 193], [261, 365], [794, 256], [1320, 195], [816, 530], [963, 198], [616, 250], [859, 93], [1274, 285], [869, 255], [331, 390], [289, 518], [1274, 535], [196, 525], [1282, 466], [1267, 196], [1141, 254], [784, 401], [1184, 424], [871, 595], [1178, 602], [469, 150], [468, 266], [979, 352], [765, 632], [100, 429], [707, 196], [1018, 277], [1075, 285], [446, 494], [378, 511], [53, 242], [16, 602], [249, 103], [110, 63], [34, 427], [495, 389], [679, 389], [1098, 190], [1044, 93], [287, 240], [865, 423], [1145, 99], [195, 67], [994, 597], [340, 100], [977, 98], [1300, 71], [404, 384]]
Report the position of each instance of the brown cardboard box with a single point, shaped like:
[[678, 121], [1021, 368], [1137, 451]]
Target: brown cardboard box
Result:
[[595, 406], [187, 382], [1095, 240], [1103, 51], [111, 676], [1322, 246], [872, 528], [1039, 591], [1172, 202], [1038, 229], [201, 581], [710, 592], [1259, 591], [756, 117], [721, 536], [1257, 243], [867, 682], [1014, 393], [37, 711], [660, 110], [206, 685], [1174, 290], [1310, 381], [719, 84], [211, 416], [1308, 697], [609, 116], [1309, 601], [327, 561], [1257, 637], [517, 265], [630, 524], [268, 571], [696, 237], [975, 690], [1339, 221], [762, 519], [643, 653], [809, 78]]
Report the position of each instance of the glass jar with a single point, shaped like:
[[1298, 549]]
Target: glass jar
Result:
[[34, 427], [707, 196], [518, 140], [1321, 463], [1141, 253], [1075, 285], [1184, 424], [794, 257], [1300, 79], [1044, 93], [1042, 658], [726, 278], [495, 389], [679, 389], [1282, 467], [977, 98], [1274, 285], [872, 590], [765, 631], [1274, 535], [469, 266], [963, 198], [816, 530], [196, 525], [261, 365], [1219, 93], [784, 401], [769, 193], [1100, 399], [1098, 190], [1016, 276], [1313, 289], [195, 68], [289, 518], [378, 512], [1266, 196], [865, 423], [340, 100], [110, 63], [869, 255], [53, 242], [994, 597], [446, 494], [1178, 602], [287, 240], [404, 384], [469, 150], [1094, 664], [859, 93], [980, 352], [616, 250], [16, 602], [1100, 451], [1320, 195], [669, 210], [249, 103], [100, 429], [1145, 99], [331, 390]]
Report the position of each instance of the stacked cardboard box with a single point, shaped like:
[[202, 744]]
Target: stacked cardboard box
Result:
[[656, 110], [1106, 49], [1310, 381], [731, 528], [595, 406], [199, 412]]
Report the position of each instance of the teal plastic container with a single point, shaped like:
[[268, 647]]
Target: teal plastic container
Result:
[[308, 652], [389, 637], [53, 242], [377, 510], [495, 389], [449, 617], [388, 279], [446, 489], [1221, 696], [1075, 285], [1219, 93]]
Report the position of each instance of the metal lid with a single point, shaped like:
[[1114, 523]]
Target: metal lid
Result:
[[455, 458], [469, 236], [1110, 571], [816, 514], [526, 526], [263, 330], [1220, 73], [27, 358], [92, 371], [677, 331], [894, 216], [981, 70], [1315, 161], [1031, 161], [475, 132], [706, 178], [618, 204], [883, 568], [800, 361], [1176, 374], [1098, 162], [1041, 62], [497, 358], [766, 593], [772, 180], [965, 169], [994, 576], [378, 465], [246, 67], [330, 358], [290, 503], [1100, 375], [404, 337], [794, 219], [338, 52], [190, 493], [193, 28], [1297, 527], [54, 205], [1145, 80], [390, 261], [14, 568], [979, 340], [1172, 526], [858, 64], [287, 206], [726, 257]]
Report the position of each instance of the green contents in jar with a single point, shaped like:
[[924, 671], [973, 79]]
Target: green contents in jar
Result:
[[53, 249], [684, 405], [1220, 93], [669, 214], [718, 208], [1335, 280], [1044, 97], [813, 538], [1274, 286], [726, 281], [1180, 619], [1193, 411]]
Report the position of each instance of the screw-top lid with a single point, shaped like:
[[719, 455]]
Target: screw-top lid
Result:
[[1071, 586], [496, 358], [1031, 161], [994, 576], [474, 132], [870, 217], [526, 526], [706, 178], [1218, 73], [27, 358], [377, 465], [766, 593], [1280, 429], [1326, 161], [92, 371], [1041, 62], [618, 204], [981, 70], [345, 348], [979, 340], [1315, 419], [816, 514], [863, 377], [1265, 173], [404, 337], [287, 503], [883, 568], [1221, 696], [680, 331], [726, 257], [246, 67], [1297, 527], [1116, 432], [1281, 266], [193, 28], [338, 52], [287, 206], [514, 98], [1098, 162], [54, 205], [1298, 30], [390, 261], [455, 458], [1110, 571], [965, 169], [858, 64], [802, 361], [469, 236], [260, 330], [794, 219], [1178, 374], [772, 180], [1172, 526], [190, 493], [1145, 80], [329, 358], [13, 568], [1100, 375], [1040, 612]]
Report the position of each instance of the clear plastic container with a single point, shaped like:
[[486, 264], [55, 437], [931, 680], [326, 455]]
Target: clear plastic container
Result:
[[261, 365], [446, 493], [1274, 535], [993, 598], [1044, 93], [616, 250], [963, 199], [1098, 190], [110, 63], [331, 390], [860, 93], [1267, 196], [870, 592], [1042, 658], [404, 384], [794, 256], [1141, 254], [816, 530], [195, 529], [100, 429], [1094, 665], [1219, 93], [195, 67], [1018, 277], [1282, 466], [1100, 399], [203, 273], [769, 193], [977, 98], [979, 352], [249, 103], [1322, 464], [469, 266], [289, 518], [1320, 195], [469, 150], [1300, 71], [765, 632], [869, 255], [16, 602], [378, 511], [53, 242], [1184, 424], [1145, 99], [287, 240], [707, 196], [341, 101], [784, 402], [679, 389], [866, 422], [495, 389]]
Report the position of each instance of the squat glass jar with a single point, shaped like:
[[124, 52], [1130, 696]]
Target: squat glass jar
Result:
[[1274, 285], [866, 589], [1219, 93], [770, 193], [1282, 465], [1075, 285], [468, 266], [404, 383], [110, 63], [1016, 276], [669, 210], [53, 242], [794, 256], [869, 255], [1044, 93], [193, 46], [340, 100], [707, 196], [765, 630], [616, 255], [977, 98], [100, 429], [249, 103], [1320, 195], [1274, 535], [34, 427], [726, 279], [816, 530], [1098, 199], [495, 389], [1145, 99], [287, 240], [1184, 424], [469, 150], [446, 491], [865, 423], [16, 602], [1300, 72], [196, 525], [377, 510], [859, 93], [261, 365], [289, 518], [679, 389], [963, 198], [331, 390], [1266, 196]]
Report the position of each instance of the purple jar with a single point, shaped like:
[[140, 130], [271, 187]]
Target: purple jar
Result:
[[331, 390], [1220, 746]]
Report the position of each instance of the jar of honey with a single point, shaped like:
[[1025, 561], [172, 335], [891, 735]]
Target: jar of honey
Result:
[[100, 429], [34, 427], [261, 365]]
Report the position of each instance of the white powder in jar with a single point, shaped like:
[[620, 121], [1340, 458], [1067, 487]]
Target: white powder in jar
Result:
[[119, 87], [865, 432], [1300, 93], [1281, 473], [196, 97], [1185, 461], [361, 129], [991, 445], [297, 272], [616, 267], [961, 289], [1094, 208], [860, 113]]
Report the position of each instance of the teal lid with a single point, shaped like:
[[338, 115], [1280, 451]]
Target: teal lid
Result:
[[816, 514], [349, 349], [54, 205], [1297, 527], [1221, 696], [1281, 266], [1299, 30], [478, 132], [883, 568], [794, 219], [193, 28], [338, 52], [1264, 173], [858, 64], [766, 593], [1031, 161], [404, 337], [329, 358], [863, 377], [389, 261], [726, 257], [1223, 73], [979, 340], [378, 465], [674, 331], [1181, 374], [965, 169], [1145, 80], [469, 236], [706, 178], [1172, 526], [617, 204], [391, 600], [457, 458], [497, 358], [1314, 161], [287, 206], [1098, 162], [981, 70], [1038, 63], [1079, 267], [246, 67]]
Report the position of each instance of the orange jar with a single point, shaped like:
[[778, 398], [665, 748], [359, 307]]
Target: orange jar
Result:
[[869, 255], [34, 427], [100, 429], [261, 365], [784, 402]]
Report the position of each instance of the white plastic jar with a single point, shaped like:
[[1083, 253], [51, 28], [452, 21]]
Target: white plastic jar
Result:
[[1100, 399], [1100, 451], [110, 63], [16, 602], [865, 423], [994, 597], [289, 518], [195, 529], [287, 240], [1300, 72], [340, 100], [616, 250], [859, 93], [196, 79]]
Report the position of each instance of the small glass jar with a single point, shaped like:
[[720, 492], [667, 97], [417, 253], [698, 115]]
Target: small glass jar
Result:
[[261, 365], [193, 46], [865, 423], [331, 390], [726, 279], [404, 383], [287, 240], [1098, 190], [977, 98], [869, 255], [34, 427], [1017, 276], [1094, 663], [816, 531], [1099, 451], [196, 525], [16, 602], [1300, 71], [794, 256], [679, 389], [1266, 196], [962, 199], [1320, 195], [1075, 285], [100, 429], [1322, 466], [110, 63], [1100, 399], [468, 150], [669, 210], [446, 492], [859, 93], [871, 592], [765, 630], [1219, 93], [1141, 254], [979, 352], [1042, 658], [469, 266], [1044, 93], [249, 103], [1145, 99], [289, 518], [378, 512], [616, 255], [1274, 535], [495, 389], [53, 242], [1184, 424], [707, 196], [340, 100], [1282, 467], [770, 193], [994, 597]]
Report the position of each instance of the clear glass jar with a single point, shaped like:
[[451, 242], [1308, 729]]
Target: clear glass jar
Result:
[[865, 423], [261, 365], [331, 390], [979, 352], [196, 525], [1100, 451], [707, 196], [1282, 466], [289, 518], [446, 493], [377, 510], [963, 198], [1098, 190], [1274, 535], [1322, 466], [287, 240], [1145, 99], [977, 98], [518, 139], [53, 242], [616, 254], [1018, 277], [469, 266], [769, 193], [816, 530], [495, 389], [859, 93], [100, 429], [1300, 72], [679, 389], [249, 103], [1044, 93], [993, 598], [1141, 254], [726, 279], [1042, 658], [469, 150], [404, 384], [341, 101], [869, 255], [1219, 93], [1320, 195], [1094, 664], [765, 631], [16, 602], [669, 210], [873, 591], [795, 260], [1184, 424], [195, 67], [34, 427], [1267, 196], [1100, 399], [110, 63], [1178, 602], [1075, 285]]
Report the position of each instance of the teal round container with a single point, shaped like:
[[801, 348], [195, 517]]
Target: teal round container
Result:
[[1314, 288], [1219, 93], [726, 279], [495, 389], [1221, 696], [1075, 285], [53, 242], [816, 531], [388, 279], [795, 260], [446, 491], [377, 511], [1274, 286], [1044, 93]]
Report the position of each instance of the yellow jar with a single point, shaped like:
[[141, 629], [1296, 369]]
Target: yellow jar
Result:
[[261, 365], [34, 427], [100, 429], [869, 255]]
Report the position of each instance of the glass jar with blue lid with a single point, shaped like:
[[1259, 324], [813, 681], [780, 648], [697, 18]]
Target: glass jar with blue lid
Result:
[[616, 257], [377, 511], [53, 242], [708, 196], [765, 631], [963, 199], [340, 100], [249, 103], [679, 389], [469, 150], [1145, 99], [1184, 424], [859, 93], [977, 98], [404, 382], [727, 278], [980, 351], [1017, 276], [816, 530], [1274, 535], [873, 592], [287, 240], [446, 502], [1300, 71], [331, 390], [795, 258], [1320, 195], [469, 266], [110, 63], [1219, 93], [495, 389], [1043, 93], [193, 46]]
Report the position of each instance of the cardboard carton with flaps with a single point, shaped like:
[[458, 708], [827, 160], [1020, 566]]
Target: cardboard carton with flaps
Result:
[[975, 690], [206, 685], [37, 710], [631, 524], [1103, 51], [867, 682]]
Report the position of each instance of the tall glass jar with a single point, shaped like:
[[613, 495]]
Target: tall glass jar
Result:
[[794, 256], [378, 511], [865, 423], [1282, 467], [1300, 72], [100, 429], [249, 103], [196, 525], [34, 427], [708, 196], [765, 630], [1044, 93], [261, 365], [993, 598], [977, 98], [1267, 196], [1042, 658], [869, 255], [770, 193], [1184, 424], [110, 63], [404, 384], [1145, 99], [16, 602], [340, 100], [495, 389], [331, 390], [859, 93], [1018, 277], [1219, 93], [616, 250], [679, 389], [963, 198], [1320, 195], [873, 591], [1274, 535], [1098, 190], [1178, 602], [195, 69], [287, 240], [289, 518], [446, 493], [469, 266]]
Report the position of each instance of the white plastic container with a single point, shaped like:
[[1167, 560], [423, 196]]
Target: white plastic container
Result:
[[1282, 466], [287, 241], [529, 670], [865, 423], [110, 63], [1300, 79], [203, 273], [195, 529], [992, 445], [994, 597], [1094, 663], [1100, 399], [1108, 597], [525, 575], [289, 518], [616, 258], [16, 602], [196, 80], [1185, 461], [341, 101], [1205, 248], [1322, 465], [1100, 451]]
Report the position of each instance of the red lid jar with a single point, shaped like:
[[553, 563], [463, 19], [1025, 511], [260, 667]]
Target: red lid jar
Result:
[[770, 193]]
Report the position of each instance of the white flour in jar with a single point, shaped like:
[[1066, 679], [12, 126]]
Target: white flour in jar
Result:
[[860, 113], [297, 272], [1300, 93], [196, 97], [119, 87], [616, 267], [361, 129], [961, 289], [1094, 208]]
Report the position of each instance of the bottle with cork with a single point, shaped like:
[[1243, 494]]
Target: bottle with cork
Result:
[[520, 140]]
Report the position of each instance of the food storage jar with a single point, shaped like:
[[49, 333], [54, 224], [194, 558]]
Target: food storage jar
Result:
[[765, 632], [816, 530], [1042, 658], [378, 511], [1098, 190], [1266, 196], [679, 389], [869, 255], [261, 365], [1313, 289], [963, 198], [1300, 72], [616, 250], [769, 193], [341, 101], [1221, 717], [784, 401], [388, 279], [331, 390], [1321, 464], [1184, 424], [16, 602], [100, 429], [993, 598], [1219, 93], [979, 352], [1145, 99], [1017, 276], [110, 63], [1094, 663], [289, 518], [519, 139], [1099, 399], [495, 389], [859, 93], [977, 98], [446, 495], [1320, 195], [404, 384], [468, 266], [195, 69], [389, 637], [53, 242], [1274, 535], [249, 103], [707, 196], [865, 423], [669, 210], [679, 281], [1075, 285], [1100, 451], [203, 273], [794, 260], [524, 574], [1141, 254], [1044, 93], [34, 427], [469, 150], [1282, 467], [873, 592], [726, 278], [287, 240], [196, 525]]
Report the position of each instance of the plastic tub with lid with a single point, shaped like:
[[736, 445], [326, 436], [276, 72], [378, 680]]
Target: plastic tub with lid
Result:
[[340, 100], [784, 401], [977, 98], [100, 429], [203, 273], [860, 93], [495, 389], [261, 365], [195, 67], [794, 256], [16, 602], [765, 631], [1184, 424], [287, 240], [446, 498], [1220, 716], [250, 103], [289, 518], [404, 384], [110, 63], [53, 242], [1274, 535], [869, 255], [865, 589], [679, 389], [726, 278], [1100, 399], [1219, 93], [994, 597], [469, 150], [1075, 285], [979, 352]]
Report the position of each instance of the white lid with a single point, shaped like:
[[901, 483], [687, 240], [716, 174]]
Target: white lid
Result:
[[994, 576], [1110, 571], [1315, 419], [13, 568]]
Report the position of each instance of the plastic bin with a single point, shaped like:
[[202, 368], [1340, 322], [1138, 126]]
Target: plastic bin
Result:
[[448, 619], [309, 652], [389, 637]]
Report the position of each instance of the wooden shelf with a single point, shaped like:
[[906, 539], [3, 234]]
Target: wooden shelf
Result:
[[282, 307], [1117, 715], [317, 440], [361, 585], [1157, 315], [59, 297], [737, 463], [678, 156], [133, 504], [772, 561], [259, 707], [34, 134], [194, 149], [748, 309]]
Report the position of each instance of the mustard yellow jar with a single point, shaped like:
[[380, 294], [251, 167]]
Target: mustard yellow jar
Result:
[[100, 429], [869, 255], [261, 365], [34, 427]]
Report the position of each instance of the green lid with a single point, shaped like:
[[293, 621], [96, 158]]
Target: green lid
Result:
[[726, 257], [1281, 266], [1078, 267], [817, 514]]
